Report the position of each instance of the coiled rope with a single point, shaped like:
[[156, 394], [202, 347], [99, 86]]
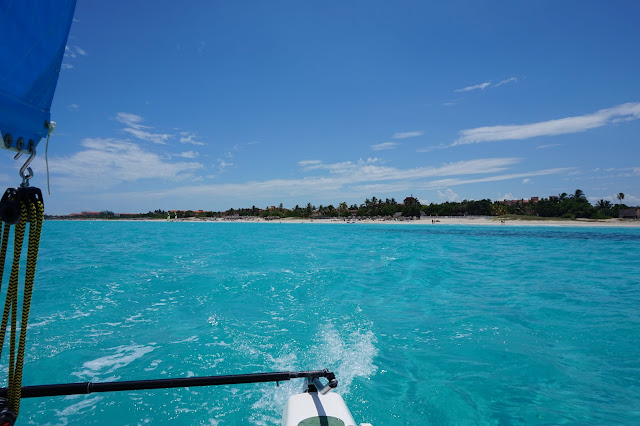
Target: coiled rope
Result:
[[31, 211]]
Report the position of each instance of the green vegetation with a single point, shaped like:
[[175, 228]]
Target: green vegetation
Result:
[[566, 206]]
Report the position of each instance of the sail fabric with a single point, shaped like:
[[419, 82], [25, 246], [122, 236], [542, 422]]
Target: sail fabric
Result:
[[33, 36]]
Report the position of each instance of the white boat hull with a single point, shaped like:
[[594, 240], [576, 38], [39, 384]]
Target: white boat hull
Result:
[[313, 408]]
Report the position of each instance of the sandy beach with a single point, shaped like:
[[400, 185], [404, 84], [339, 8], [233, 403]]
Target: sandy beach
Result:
[[436, 221]]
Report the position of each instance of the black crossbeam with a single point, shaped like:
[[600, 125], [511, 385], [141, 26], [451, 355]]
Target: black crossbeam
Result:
[[132, 385]]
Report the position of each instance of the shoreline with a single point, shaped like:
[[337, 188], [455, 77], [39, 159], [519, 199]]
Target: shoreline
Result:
[[475, 221]]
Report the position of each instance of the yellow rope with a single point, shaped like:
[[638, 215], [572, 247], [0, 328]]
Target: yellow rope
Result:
[[35, 229], [3, 250], [11, 304], [33, 213]]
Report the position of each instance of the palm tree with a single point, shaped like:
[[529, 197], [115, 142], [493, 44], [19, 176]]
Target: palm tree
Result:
[[563, 196], [620, 197], [343, 210], [603, 204], [579, 194]]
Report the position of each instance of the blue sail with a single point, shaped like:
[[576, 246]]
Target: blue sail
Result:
[[33, 36]]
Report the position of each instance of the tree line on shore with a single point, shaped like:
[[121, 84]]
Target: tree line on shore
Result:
[[563, 205]]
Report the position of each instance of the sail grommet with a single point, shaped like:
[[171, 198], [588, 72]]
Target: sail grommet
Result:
[[20, 143], [7, 140]]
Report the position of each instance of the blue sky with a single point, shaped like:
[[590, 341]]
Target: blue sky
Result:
[[212, 105]]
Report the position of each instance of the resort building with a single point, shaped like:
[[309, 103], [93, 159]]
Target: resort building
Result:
[[630, 213]]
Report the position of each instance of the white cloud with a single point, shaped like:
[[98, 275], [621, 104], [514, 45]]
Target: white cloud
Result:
[[408, 184], [187, 154], [104, 163], [448, 194], [507, 196], [159, 138], [338, 168], [527, 180], [385, 146], [71, 54], [405, 135], [506, 81], [135, 127], [74, 51], [73, 106], [131, 120], [448, 104], [625, 112], [346, 180], [305, 163], [617, 172], [483, 86], [626, 171], [456, 181], [223, 165], [190, 138], [551, 145], [371, 169], [432, 148], [480, 86]]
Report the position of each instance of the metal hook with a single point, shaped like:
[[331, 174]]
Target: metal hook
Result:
[[25, 171]]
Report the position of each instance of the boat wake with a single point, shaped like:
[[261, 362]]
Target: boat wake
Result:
[[124, 355]]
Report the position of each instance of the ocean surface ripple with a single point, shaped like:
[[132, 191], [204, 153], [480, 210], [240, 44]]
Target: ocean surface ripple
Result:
[[422, 325]]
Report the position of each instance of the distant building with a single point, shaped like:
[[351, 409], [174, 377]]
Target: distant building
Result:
[[533, 200], [630, 213], [195, 212]]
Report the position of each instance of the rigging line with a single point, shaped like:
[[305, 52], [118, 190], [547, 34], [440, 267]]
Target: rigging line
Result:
[[46, 161], [3, 252], [35, 229], [7, 306], [11, 304], [32, 212]]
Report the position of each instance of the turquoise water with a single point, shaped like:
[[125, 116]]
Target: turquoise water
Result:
[[422, 325]]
